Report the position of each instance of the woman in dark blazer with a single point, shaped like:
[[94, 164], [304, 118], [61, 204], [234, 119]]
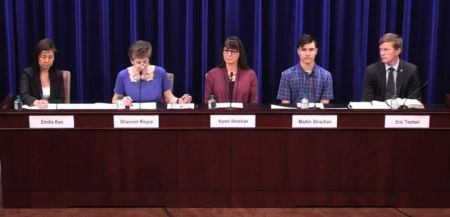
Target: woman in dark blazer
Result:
[[233, 80], [42, 83]]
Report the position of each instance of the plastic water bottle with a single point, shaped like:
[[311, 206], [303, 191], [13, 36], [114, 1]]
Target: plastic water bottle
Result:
[[304, 104], [18, 104], [212, 102], [119, 103], [394, 103]]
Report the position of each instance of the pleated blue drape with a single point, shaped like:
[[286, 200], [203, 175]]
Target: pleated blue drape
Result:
[[93, 37]]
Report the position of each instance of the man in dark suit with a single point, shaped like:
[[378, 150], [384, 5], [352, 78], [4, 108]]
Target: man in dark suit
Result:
[[391, 77]]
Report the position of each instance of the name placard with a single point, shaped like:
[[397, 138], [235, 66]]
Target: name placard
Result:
[[314, 121], [136, 121], [51, 121], [407, 121], [232, 121]]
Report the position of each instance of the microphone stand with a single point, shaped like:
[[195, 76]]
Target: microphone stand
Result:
[[140, 87], [313, 95], [230, 90], [403, 105]]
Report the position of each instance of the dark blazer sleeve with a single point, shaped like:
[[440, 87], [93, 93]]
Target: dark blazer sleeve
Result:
[[370, 84], [253, 88], [27, 88], [409, 81]]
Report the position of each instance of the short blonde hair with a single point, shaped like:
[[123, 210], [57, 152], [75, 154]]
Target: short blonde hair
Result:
[[392, 37]]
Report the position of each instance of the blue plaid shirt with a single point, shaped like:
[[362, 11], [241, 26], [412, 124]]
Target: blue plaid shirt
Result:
[[295, 83]]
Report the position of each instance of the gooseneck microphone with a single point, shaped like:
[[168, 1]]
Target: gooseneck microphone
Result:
[[403, 105], [313, 95], [140, 87], [230, 87]]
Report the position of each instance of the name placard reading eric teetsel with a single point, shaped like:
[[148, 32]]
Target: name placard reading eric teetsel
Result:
[[407, 121], [51, 121], [136, 121], [314, 121], [232, 121]]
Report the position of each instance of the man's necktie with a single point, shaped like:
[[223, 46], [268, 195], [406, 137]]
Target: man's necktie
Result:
[[390, 86]]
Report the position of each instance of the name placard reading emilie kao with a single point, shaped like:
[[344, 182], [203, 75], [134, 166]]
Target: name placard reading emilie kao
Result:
[[314, 121], [136, 121], [51, 121], [407, 121], [232, 121]]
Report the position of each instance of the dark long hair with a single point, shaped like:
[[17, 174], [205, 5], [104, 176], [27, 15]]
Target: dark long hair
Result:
[[45, 44], [234, 42]]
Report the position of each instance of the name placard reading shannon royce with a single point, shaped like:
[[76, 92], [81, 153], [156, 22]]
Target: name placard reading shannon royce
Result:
[[136, 121]]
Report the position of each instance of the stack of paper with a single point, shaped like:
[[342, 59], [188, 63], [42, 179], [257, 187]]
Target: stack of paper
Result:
[[369, 105], [229, 105], [181, 106], [312, 105], [409, 103]]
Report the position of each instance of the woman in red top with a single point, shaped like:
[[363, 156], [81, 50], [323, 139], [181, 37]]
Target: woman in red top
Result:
[[233, 80]]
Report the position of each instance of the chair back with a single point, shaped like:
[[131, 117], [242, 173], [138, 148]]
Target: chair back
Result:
[[7, 102], [66, 79], [171, 77]]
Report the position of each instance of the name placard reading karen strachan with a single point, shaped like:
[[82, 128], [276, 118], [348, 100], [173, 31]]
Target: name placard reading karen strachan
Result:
[[51, 121], [314, 121], [232, 121], [407, 121], [136, 121]]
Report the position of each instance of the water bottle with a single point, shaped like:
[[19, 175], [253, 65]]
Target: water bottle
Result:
[[212, 102], [394, 103], [18, 104], [119, 103], [304, 104]]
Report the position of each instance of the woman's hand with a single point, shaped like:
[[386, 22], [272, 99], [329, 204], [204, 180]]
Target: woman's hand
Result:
[[40, 103], [127, 101], [186, 98]]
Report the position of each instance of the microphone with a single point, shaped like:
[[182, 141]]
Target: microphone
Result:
[[403, 106], [230, 78], [313, 95], [140, 87], [230, 88]]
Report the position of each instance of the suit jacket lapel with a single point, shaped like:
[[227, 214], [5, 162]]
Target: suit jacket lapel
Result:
[[400, 76]]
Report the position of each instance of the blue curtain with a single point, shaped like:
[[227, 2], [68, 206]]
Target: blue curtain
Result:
[[93, 37]]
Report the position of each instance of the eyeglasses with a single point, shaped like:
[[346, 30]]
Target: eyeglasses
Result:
[[230, 51]]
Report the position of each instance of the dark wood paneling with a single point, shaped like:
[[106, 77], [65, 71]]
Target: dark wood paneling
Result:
[[423, 161], [258, 160], [94, 160], [6, 166], [368, 160], [440, 120], [149, 160], [96, 120], [184, 120], [204, 160], [187, 164], [39, 160], [14, 120], [363, 120], [313, 160]]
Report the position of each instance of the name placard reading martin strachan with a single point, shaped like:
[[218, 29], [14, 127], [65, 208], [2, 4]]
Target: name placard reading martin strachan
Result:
[[314, 121]]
